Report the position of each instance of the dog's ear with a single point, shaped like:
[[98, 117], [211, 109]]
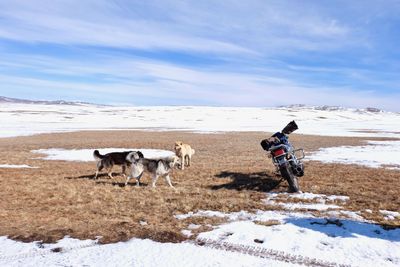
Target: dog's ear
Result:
[[178, 143]]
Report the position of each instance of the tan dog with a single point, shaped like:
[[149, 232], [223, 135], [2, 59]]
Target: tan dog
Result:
[[184, 152]]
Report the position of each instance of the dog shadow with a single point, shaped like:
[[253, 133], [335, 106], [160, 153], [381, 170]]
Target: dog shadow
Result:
[[88, 176], [120, 184], [108, 180], [91, 176], [257, 181]]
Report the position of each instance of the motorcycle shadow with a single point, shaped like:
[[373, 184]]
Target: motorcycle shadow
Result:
[[257, 181]]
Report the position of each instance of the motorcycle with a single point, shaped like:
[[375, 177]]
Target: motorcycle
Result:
[[286, 159]]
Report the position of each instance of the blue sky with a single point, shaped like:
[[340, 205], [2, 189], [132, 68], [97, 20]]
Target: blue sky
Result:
[[218, 53]]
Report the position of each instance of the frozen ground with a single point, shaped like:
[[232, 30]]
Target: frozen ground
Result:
[[339, 236], [249, 239], [341, 241], [135, 252], [27, 119], [374, 154]]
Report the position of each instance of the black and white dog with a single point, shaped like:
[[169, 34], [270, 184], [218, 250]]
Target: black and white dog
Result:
[[108, 161]]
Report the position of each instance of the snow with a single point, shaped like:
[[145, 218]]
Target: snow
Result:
[[193, 226], [355, 215], [11, 166], [27, 119], [338, 235], [340, 241], [374, 154], [390, 215], [87, 153], [295, 206], [135, 252], [319, 198], [240, 215], [187, 233]]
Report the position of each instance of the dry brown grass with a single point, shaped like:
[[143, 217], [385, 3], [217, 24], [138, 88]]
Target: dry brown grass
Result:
[[229, 173]]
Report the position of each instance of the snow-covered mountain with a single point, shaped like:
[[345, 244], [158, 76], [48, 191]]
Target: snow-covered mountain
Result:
[[4, 99], [332, 108]]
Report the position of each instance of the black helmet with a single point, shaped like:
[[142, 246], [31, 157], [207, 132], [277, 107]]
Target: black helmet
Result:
[[290, 128]]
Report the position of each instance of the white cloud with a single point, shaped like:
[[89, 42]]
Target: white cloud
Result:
[[144, 81], [218, 27], [252, 40]]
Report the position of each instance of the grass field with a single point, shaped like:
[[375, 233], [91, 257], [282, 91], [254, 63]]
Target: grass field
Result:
[[230, 172]]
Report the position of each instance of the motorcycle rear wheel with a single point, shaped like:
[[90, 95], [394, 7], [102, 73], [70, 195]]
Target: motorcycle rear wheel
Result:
[[287, 173]]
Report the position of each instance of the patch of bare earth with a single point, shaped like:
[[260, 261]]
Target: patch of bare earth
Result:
[[230, 172]]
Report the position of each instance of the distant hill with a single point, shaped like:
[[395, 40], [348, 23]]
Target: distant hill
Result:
[[331, 108], [4, 99]]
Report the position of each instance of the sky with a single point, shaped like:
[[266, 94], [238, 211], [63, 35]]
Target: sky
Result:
[[212, 53]]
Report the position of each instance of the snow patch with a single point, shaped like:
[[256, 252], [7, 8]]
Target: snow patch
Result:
[[260, 215], [354, 215], [318, 197], [298, 206], [194, 226], [390, 215], [135, 252], [11, 166], [375, 154], [326, 239], [187, 233], [87, 154], [275, 199]]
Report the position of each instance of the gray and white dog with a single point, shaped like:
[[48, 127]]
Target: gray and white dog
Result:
[[156, 167]]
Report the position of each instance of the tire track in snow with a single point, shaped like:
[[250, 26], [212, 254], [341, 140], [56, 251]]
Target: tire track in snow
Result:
[[266, 253], [46, 252]]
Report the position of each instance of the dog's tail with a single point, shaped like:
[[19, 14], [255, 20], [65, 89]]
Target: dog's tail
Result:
[[193, 151], [134, 156], [97, 156]]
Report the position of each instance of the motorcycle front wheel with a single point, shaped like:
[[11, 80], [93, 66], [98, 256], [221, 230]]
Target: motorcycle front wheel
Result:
[[287, 173]]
